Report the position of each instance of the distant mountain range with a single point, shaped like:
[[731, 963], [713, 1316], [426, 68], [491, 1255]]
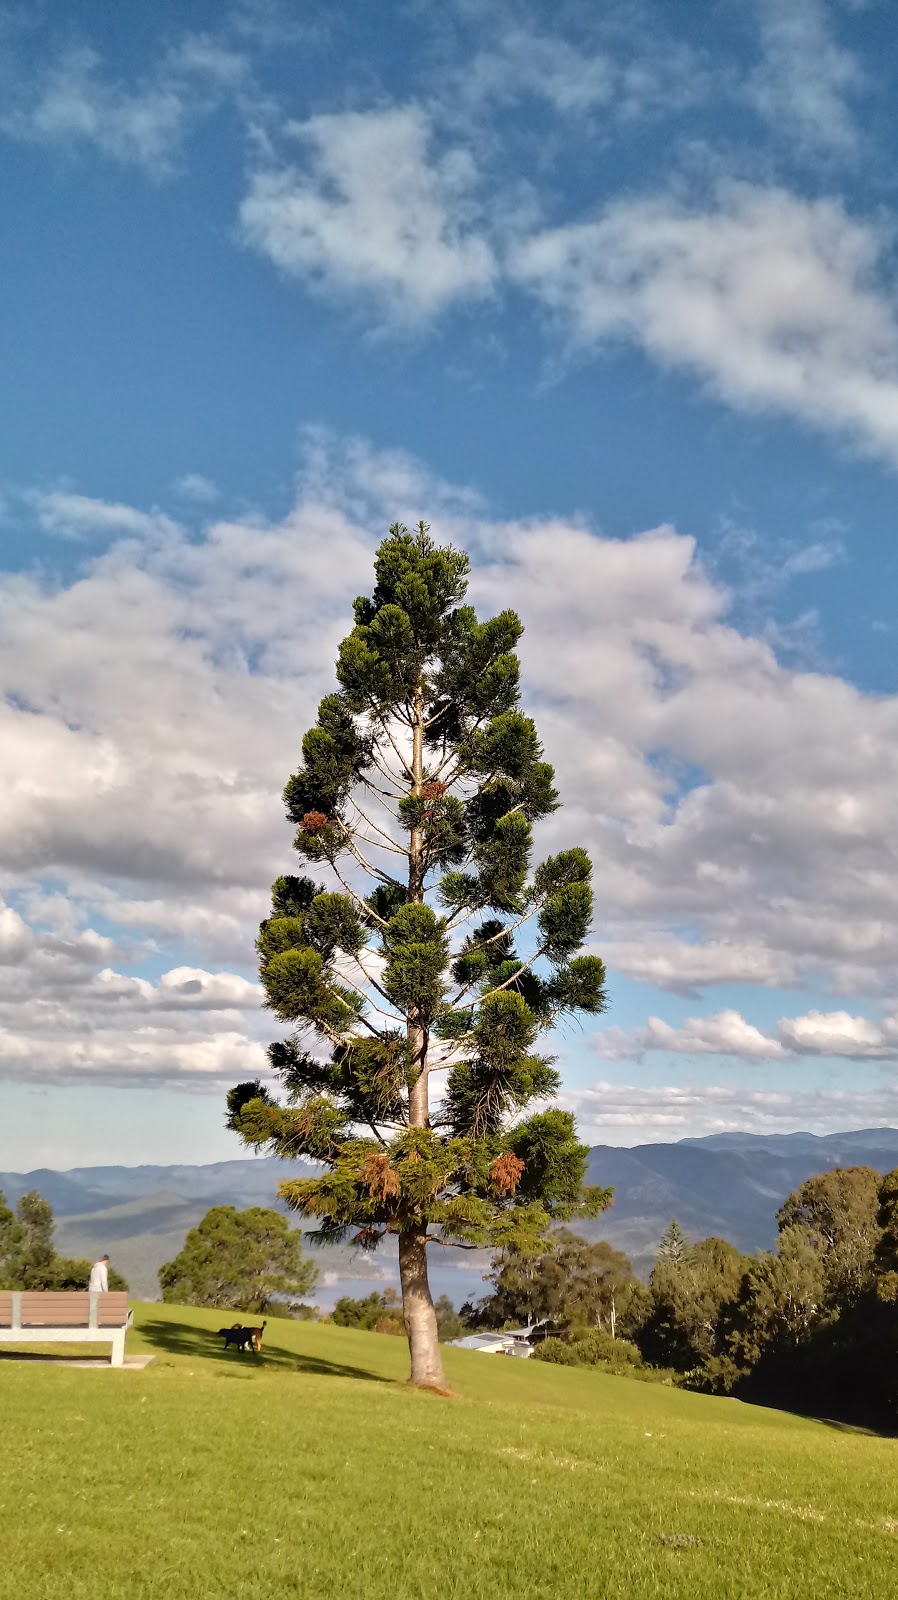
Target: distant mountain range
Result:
[[731, 1184], [728, 1184]]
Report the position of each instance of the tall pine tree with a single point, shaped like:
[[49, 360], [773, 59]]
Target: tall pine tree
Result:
[[432, 950]]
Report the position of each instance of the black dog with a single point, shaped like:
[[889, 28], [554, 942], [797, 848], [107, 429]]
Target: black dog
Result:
[[241, 1337]]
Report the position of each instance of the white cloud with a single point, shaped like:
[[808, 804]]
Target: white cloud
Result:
[[804, 80], [741, 815], [66, 1017], [642, 1113], [575, 75], [71, 102], [774, 302], [75, 516], [521, 62], [726, 1034], [832, 1034], [195, 487], [838, 1033], [672, 963], [373, 209]]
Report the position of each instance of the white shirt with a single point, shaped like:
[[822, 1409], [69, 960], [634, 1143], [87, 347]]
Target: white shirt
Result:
[[99, 1278]]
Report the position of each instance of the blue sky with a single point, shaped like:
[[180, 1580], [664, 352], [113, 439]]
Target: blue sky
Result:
[[608, 294]]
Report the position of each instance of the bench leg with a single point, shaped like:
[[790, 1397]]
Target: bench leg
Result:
[[118, 1348]]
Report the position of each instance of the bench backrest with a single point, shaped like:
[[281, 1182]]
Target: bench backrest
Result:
[[64, 1309]]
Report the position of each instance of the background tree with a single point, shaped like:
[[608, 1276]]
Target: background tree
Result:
[[572, 1283], [239, 1259], [450, 1323], [10, 1246], [527, 1287], [837, 1212], [28, 1257], [687, 1298], [36, 1253], [599, 1290], [674, 1245], [418, 789], [365, 1311]]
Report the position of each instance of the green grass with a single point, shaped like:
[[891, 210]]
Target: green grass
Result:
[[314, 1472]]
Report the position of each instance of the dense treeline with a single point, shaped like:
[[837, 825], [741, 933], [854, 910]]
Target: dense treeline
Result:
[[811, 1325], [28, 1256]]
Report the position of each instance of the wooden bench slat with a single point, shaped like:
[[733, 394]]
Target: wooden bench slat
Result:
[[66, 1309], [74, 1316]]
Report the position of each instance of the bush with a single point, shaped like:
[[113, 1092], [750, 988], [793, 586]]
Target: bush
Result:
[[367, 1311], [617, 1357], [592, 1349], [559, 1352], [390, 1325], [597, 1346]]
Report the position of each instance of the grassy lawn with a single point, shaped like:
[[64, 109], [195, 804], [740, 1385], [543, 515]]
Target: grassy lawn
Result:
[[314, 1472]]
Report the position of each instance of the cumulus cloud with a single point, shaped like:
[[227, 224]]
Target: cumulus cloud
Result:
[[686, 968], [838, 1033], [804, 81], [773, 301], [833, 1034], [77, 516], [68, 1018], [726, 1034], [642, 1113], [741, 814], [372, 208]]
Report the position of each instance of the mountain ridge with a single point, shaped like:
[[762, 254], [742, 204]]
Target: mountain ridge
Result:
[[729, 1184]]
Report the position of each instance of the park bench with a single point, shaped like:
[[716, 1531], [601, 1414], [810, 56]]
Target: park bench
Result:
[[65, 1317]]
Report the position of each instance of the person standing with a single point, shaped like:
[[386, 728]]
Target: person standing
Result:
[[99, 1276]]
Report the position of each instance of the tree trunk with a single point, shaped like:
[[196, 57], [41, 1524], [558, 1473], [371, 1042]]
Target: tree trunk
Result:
[[417, 1302], [417, 1311]]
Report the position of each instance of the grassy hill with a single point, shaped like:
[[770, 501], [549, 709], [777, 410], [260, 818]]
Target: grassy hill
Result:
[[314, 1472]]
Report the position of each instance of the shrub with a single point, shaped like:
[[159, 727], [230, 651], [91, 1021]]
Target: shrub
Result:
[[390, 1325], [596, 1348], [559, 1352], [367, 1311], [618, 1357]]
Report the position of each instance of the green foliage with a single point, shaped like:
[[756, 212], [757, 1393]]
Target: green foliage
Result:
[[418, 789], [689, 1289], [592, 1349], [28, 1257], [838, 1214], [575, 1285], [382, 1313], [10, 1246], [674, 1246], [812, 1324], [238, 1259], [365, 1312], [450, 1323]]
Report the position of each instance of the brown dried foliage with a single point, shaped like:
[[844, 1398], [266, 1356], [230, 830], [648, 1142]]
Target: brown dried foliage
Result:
[[313, 822], [433, 790], [505, 1173], [380, 1179]]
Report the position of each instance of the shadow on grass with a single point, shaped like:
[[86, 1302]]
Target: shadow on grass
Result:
[[204, 1344], [61, 1358]]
